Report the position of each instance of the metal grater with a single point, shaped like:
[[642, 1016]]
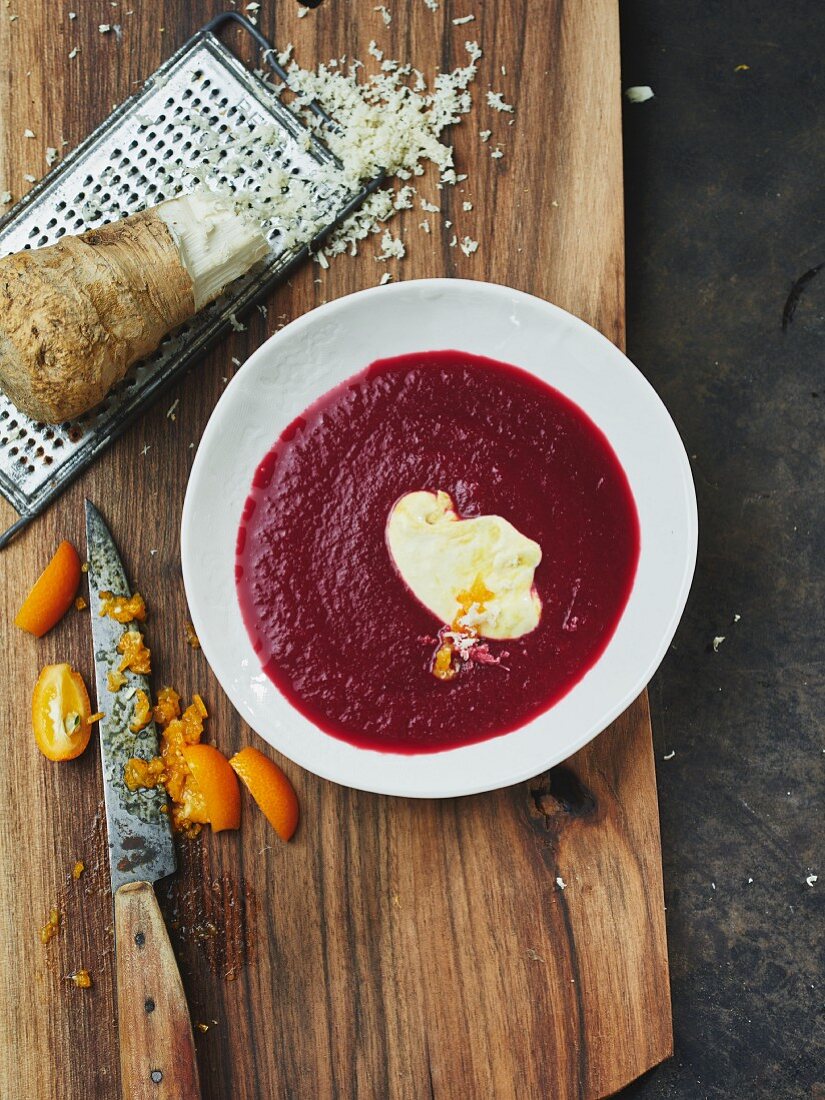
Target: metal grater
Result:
[[121, 168]]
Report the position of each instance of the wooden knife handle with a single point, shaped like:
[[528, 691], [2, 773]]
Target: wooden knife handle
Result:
[[157, 1046]]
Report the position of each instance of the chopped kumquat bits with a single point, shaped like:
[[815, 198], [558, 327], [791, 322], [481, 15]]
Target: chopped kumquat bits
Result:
[[80, 604], [135, 654], [82, 979], [147, 774], [167, 707], [476, 595], [78, 869], [115, 680], [123, 609], [191, 636], [170, 769], [443, 668], [143, 712], [51, 927]]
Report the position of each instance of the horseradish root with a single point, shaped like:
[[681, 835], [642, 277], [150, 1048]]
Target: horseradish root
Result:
[[74, 316]]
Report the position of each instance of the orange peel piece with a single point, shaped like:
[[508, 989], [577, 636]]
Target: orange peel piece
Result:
[[52, 593], [212, 794], [270, 788]]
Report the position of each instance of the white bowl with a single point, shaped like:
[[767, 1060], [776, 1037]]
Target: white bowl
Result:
[[335, 341]]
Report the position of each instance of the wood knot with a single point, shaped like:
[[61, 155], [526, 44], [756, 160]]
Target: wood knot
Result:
[[560, 794]]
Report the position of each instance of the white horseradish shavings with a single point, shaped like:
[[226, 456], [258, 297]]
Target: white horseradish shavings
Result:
[[496, 101], [389, 122]]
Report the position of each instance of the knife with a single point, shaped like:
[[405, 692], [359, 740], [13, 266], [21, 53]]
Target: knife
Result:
[[157, 1047]]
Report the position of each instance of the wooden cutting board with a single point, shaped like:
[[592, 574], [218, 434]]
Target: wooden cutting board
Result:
[[394, 949]]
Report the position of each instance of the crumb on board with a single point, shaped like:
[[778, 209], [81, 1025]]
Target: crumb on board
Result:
[[811, 879], [639, 93], [670, 755], [562, 885], [462, 20], [717, 641], [496, 101]]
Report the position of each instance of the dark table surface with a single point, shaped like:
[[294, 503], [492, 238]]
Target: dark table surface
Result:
[[724, 176]]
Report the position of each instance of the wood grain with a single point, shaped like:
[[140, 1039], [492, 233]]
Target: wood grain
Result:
[[393, 949], [157, 1046]]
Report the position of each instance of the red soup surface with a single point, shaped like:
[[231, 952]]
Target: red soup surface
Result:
[[333, 624]]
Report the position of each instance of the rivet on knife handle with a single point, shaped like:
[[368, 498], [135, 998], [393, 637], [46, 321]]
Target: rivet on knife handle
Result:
[[157, 1046]]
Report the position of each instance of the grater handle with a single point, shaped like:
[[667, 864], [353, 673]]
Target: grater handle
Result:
[[157, 1046]]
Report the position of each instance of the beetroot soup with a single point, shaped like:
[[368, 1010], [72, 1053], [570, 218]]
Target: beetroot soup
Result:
[[361, 639]]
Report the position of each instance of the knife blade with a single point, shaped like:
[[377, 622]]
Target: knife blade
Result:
[[157, 1047], [139, 828]]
